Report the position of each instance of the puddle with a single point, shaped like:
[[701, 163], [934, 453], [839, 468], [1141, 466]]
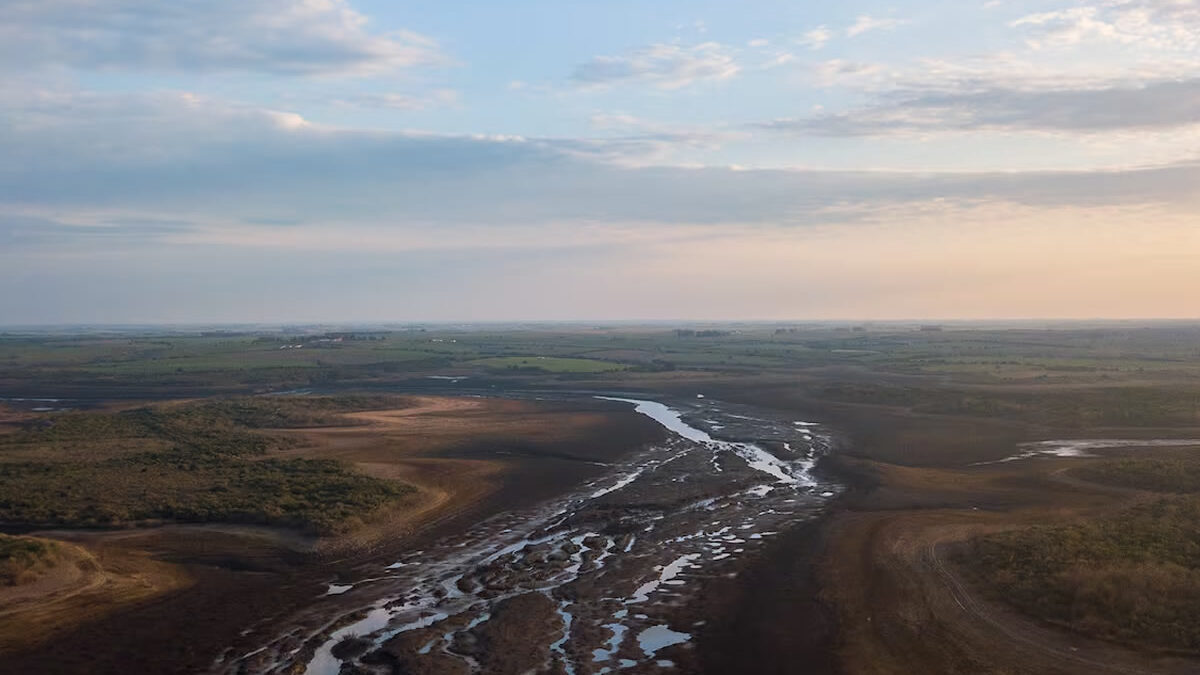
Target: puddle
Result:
[[614, 643], [658, 637], [668, 573]]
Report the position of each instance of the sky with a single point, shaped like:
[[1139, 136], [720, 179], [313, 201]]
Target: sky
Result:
[[205, 161]]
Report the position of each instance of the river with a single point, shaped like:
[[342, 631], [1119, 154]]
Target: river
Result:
[[606, 574]]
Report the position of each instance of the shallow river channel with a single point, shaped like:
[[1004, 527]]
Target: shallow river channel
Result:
[[594, 582]]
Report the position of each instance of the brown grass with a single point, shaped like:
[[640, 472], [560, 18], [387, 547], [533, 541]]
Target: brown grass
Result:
[[410, 445], [84, 582]]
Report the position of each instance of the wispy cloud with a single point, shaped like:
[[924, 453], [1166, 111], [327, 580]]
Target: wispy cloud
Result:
[[816, 38], [282, 37], [438, 98], [200, 160], [866, 23], [854, 74], [666, 66], [1155, 107]]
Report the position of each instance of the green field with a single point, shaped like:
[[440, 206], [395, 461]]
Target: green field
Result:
[[975, 356], [547, 364]]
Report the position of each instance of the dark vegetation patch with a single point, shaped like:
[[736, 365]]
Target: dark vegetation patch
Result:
[[1132, 578], [204, 464], [1102, 406], [1156, 475], [320, 496], [288, 412]]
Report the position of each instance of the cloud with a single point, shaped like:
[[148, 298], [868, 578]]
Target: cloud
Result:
[[633, 142], [816, 38], [1158, 106], [439, 98], [181, 202], [666, 66], [188, 208], [1068, 27], [179, 158], [280, 37], [842, 72], [25, 227], [1023, 70], [622, 121], [1005, 92], [866, 23], [1172, 25]]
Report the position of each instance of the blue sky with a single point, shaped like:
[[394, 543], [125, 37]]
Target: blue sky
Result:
[[340, 160]]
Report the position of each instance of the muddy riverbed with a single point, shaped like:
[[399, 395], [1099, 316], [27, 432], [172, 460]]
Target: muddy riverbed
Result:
[[612, 577]]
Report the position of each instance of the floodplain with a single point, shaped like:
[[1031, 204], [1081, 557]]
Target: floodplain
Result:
[[294, 499]]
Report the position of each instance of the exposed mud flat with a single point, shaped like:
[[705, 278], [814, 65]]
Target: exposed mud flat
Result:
[[612, 577]]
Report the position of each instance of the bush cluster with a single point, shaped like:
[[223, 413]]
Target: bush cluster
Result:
[[207, 465], [1131, 578]]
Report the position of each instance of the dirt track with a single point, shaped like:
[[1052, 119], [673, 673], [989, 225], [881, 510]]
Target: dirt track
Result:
[[85, 584], [904, 607], [1045, 644]]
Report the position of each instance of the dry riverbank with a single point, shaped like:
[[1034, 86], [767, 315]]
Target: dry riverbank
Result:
[[468, 458]]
